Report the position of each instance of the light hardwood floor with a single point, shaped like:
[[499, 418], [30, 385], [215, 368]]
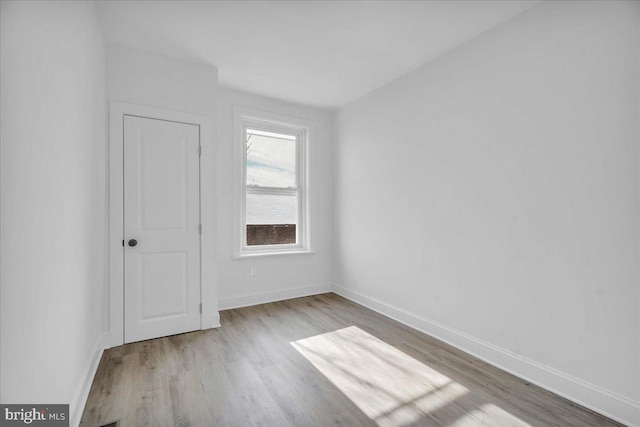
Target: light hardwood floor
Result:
[[314, 361]]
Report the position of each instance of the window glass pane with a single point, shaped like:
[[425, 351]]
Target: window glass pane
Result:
[[271, 159], [271, 219]]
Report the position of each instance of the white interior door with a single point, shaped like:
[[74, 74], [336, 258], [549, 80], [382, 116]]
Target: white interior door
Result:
[[161, 228]]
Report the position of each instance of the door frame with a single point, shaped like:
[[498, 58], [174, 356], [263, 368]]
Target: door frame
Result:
[[209, 316]]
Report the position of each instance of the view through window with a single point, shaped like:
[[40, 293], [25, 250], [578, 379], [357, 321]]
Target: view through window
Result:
[[271, 190]]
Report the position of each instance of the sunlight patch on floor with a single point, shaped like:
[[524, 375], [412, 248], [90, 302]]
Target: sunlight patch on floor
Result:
[[490, 415], [389, 386]]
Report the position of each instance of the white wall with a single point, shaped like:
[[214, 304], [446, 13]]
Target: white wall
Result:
[[494, 193], [145, 78], [53, 172], [277, 276]]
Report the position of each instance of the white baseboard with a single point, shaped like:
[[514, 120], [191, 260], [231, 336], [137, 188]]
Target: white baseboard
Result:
[[255, 298], [605, 402], [79, 400]]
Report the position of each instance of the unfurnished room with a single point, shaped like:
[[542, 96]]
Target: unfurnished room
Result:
[[316, 213]]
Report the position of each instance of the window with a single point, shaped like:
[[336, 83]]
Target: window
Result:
[[272, 204]]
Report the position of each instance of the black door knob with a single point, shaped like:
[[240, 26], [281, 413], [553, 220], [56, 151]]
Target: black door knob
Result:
[[133, 242]]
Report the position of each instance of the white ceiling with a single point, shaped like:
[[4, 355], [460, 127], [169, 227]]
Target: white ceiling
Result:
[[320, 53]]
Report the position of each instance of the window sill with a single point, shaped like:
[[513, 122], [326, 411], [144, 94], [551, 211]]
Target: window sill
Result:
[[272, 253]]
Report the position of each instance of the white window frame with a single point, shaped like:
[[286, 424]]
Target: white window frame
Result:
[[248, 118]]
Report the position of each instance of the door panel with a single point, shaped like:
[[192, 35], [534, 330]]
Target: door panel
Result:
[[164, 301], [162, 213], [164, 184]]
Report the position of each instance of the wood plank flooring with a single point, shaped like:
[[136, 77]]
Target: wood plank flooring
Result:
[[314, 361]]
